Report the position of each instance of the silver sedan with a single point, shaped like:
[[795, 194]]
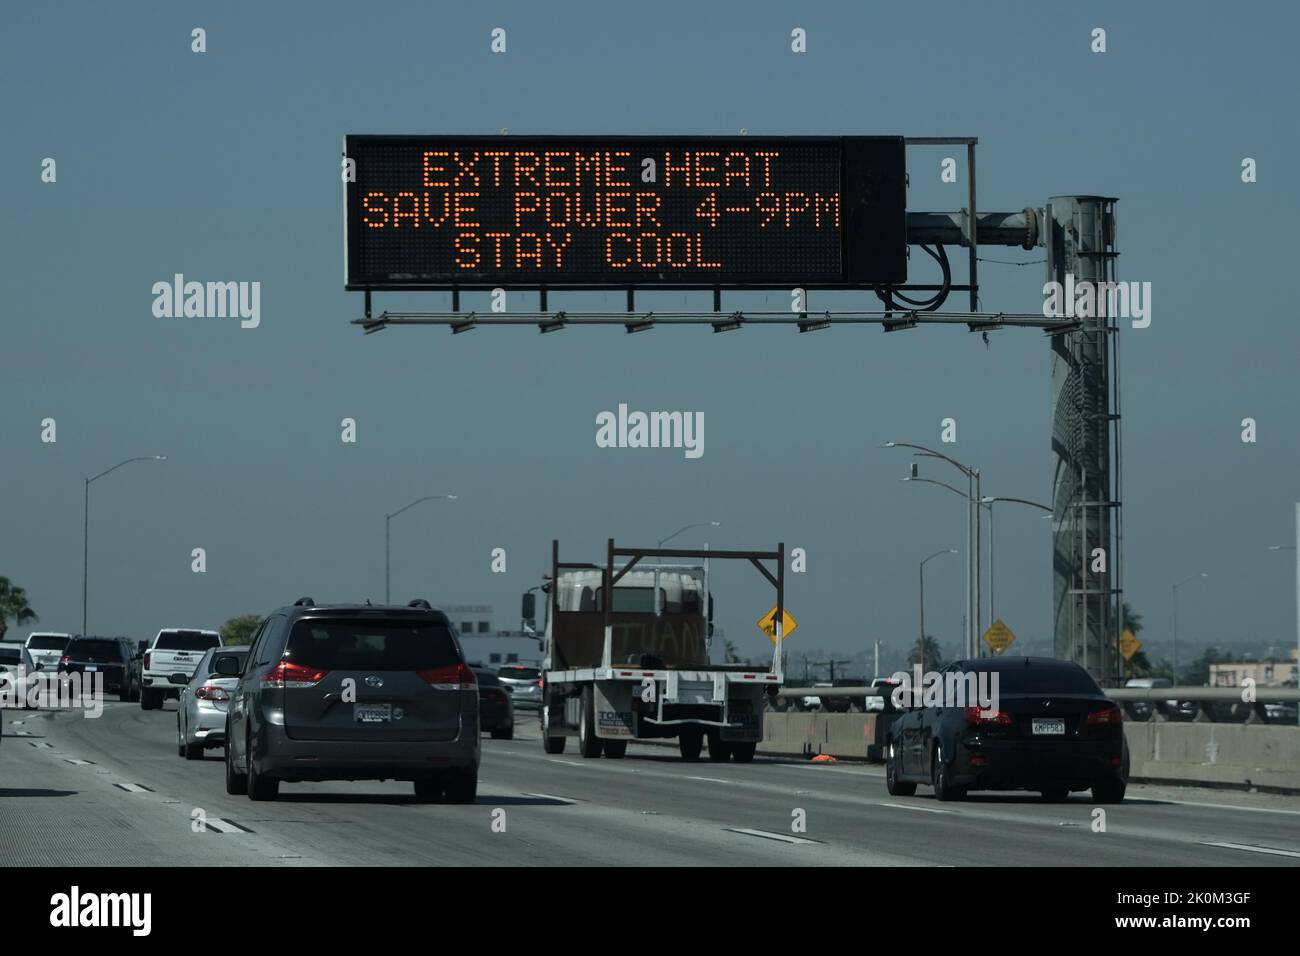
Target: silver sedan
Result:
[[201, 708]]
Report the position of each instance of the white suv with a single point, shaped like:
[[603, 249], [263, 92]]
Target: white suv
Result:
[[170, 662]]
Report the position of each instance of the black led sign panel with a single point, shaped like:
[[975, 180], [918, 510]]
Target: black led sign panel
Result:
[[436, 212]]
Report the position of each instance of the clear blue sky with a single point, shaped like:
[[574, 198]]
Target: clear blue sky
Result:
[[225, 166]]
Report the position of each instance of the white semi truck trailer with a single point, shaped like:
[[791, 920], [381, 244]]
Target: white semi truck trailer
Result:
[[637, 667]]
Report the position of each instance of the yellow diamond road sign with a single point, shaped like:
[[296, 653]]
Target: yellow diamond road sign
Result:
[[999, 636], [1129, 644], [767, 624]]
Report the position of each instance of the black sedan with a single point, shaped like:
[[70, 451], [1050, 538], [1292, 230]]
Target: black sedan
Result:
[[496, 712], [1049, 728]]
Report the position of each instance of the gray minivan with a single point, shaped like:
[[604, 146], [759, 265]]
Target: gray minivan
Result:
[[353, 692]]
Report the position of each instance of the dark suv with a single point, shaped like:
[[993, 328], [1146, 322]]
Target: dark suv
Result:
[[351, 692], [114, 657]]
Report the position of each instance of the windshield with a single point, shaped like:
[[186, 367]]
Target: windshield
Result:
[[1049, 679], [185, 641], [94, 651], [47, 643], [375, 645], [519, 673]]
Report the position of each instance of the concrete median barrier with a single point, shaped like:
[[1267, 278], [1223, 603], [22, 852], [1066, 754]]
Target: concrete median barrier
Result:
[[1206, 754]]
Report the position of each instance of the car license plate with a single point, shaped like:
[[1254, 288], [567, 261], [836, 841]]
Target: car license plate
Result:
[[1049, 725], [372, 713], [91, 667]]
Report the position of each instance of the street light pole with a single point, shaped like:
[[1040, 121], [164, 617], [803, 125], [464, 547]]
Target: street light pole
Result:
[[659, 561], [85, 531], [989, 501], [387, 538], [973, 582], [920, 644], [1176, 587], [1296, 549]]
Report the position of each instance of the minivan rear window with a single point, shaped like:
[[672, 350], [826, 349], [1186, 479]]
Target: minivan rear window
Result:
[[10, 655], [93, 650], [47, 643], [185, 641], [371, 645]]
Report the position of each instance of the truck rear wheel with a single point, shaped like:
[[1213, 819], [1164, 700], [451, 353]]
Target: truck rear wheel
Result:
[[150, 699], [589, 745], [719, 750], [743, 751], [615, 749], [552, 745], [690, 742]]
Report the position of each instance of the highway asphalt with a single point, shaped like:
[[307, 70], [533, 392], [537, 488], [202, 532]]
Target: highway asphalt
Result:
[[112, 792]]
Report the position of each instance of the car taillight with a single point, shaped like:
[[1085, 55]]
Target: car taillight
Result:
[[65, 659], [289, 674], [146, 660], [451, 677], [977, 715], [211, 693], [1104, 718]]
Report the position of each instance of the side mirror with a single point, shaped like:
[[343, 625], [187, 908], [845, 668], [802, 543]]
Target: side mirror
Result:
[[528, 609], [227, 665]]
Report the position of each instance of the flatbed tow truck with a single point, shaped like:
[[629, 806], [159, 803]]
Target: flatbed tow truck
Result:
[[638, 667]]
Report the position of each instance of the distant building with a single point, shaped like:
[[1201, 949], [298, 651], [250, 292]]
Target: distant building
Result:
[[1264, 673], [485, 645]]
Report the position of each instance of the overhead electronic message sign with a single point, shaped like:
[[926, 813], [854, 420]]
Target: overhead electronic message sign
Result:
[[435, 212]]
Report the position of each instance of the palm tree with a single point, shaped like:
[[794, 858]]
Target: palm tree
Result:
[[1138, 665], [927, 654], [13, 604], [729, 653], [1132, 620]]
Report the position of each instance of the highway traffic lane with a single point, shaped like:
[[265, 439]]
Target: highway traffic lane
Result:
[[369, 823], [653, 791], [1174, 821]]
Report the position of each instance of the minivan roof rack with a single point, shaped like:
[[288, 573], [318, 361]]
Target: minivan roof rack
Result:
[[304, 602]]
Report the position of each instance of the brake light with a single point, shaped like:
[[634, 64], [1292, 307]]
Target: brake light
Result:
[[211, 693], [146, 659], [451, 677], [65, 659], [1109, 716], [977, 715], [289, 674]]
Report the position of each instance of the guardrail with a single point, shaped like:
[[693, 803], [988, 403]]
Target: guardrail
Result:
[[1263, 695], [1163, 700]]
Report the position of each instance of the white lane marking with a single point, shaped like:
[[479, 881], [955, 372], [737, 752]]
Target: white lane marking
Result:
[[781, 837], [822, 768], [226, 826], [132, 788], [22, 733], [562, 763], [1273, 851], [78, 762], [908, 806], [1226, 806], [551, 796], [711, 779], [41, 744], [17, 723]]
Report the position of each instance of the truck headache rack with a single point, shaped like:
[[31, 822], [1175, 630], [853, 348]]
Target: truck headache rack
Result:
[[615, 570]]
